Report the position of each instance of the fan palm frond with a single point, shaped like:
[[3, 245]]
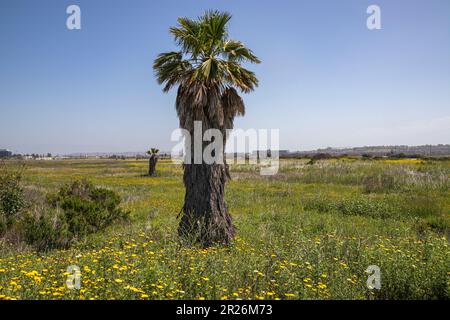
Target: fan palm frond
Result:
[[207, 70]]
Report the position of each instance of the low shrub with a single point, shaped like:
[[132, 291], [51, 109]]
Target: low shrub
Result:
[[320, 204], [425, 207], [439, 224], [3, 224], [76, 210], [367, 207], [353, 206], [379, 183], [46, 229], [11, 195], [87, 209]]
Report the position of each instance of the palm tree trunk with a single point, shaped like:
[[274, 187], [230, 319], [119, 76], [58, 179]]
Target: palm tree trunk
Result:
[[152, 165], [205, 217]]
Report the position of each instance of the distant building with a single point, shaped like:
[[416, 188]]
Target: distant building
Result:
[[5, 153]]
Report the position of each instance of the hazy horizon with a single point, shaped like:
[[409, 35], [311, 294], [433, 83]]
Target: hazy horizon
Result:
[[119, 152], [325, 79]]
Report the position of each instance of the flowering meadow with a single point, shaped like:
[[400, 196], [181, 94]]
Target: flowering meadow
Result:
[[309, 232]]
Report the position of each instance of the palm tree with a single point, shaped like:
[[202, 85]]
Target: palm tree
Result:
[[208, 72], [153, 153]]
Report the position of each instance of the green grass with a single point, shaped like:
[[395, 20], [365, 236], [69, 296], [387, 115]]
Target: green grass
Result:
[[309, 232]]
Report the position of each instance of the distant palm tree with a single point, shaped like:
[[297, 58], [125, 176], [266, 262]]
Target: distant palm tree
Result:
[[153, 153], [207, 70]]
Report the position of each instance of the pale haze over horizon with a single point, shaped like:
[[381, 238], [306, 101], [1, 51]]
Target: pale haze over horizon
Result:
[[325, 78]]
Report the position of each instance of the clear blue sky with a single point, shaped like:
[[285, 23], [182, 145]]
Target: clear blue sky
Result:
[[325, 79]]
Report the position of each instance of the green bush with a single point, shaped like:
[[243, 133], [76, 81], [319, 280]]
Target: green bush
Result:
[[366, 207], [3, 224], [320, 204], [87, 209], [438, 223], [379, 183], [46, 230], [353, 206], [77, 210], [426, 205], [427, 210], [11, 195]]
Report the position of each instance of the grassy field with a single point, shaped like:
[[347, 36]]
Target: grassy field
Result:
[[309, 232]]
